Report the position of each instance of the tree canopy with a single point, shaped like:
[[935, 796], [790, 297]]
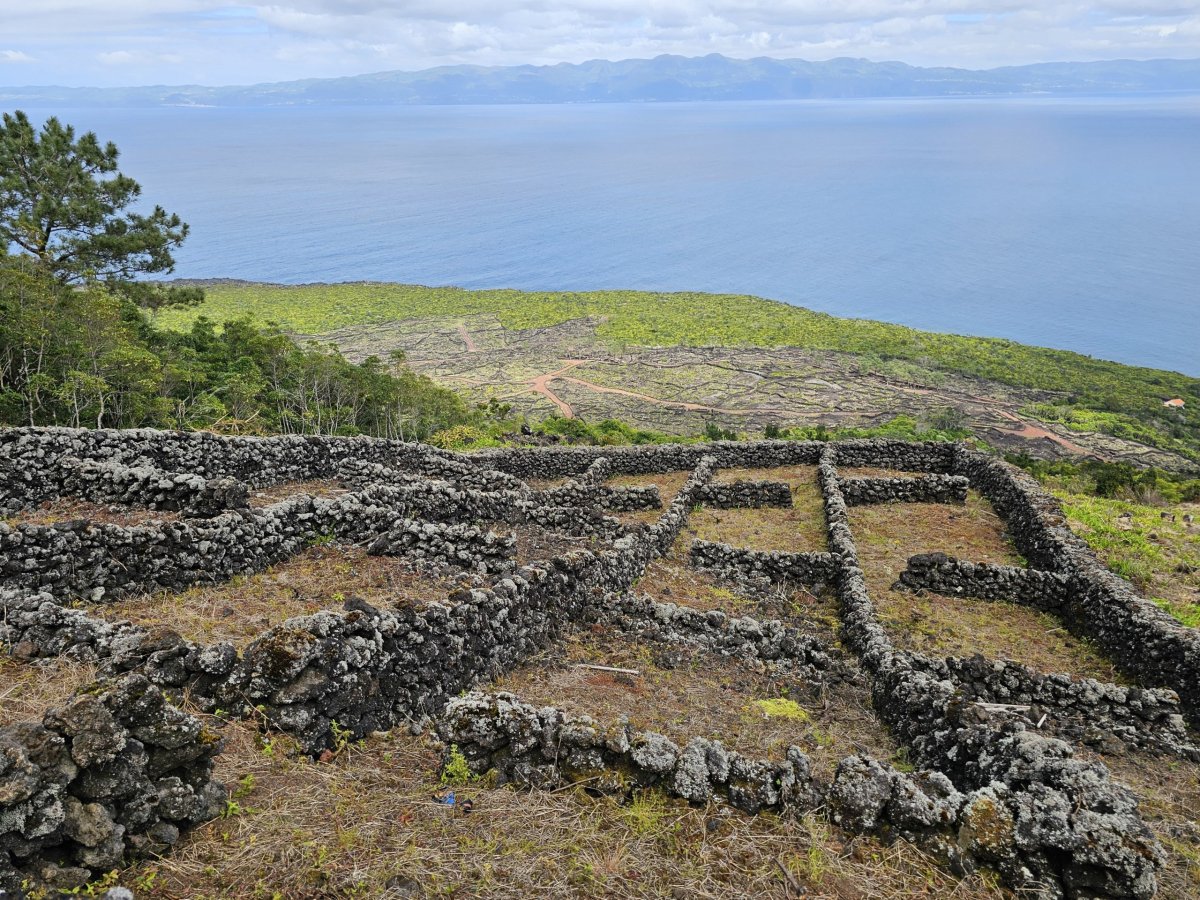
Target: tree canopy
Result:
[[64, 202], [84, 356]]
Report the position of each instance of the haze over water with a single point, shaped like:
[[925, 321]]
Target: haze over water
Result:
[[1069, 223]]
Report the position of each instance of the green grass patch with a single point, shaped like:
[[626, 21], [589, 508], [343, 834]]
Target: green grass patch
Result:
[[1159, 556], [782, 708]]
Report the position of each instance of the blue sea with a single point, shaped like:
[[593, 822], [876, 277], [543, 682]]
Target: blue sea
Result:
[[1070, 223]]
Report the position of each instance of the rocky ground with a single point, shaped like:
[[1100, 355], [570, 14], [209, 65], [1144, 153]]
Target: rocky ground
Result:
[[568, 369]]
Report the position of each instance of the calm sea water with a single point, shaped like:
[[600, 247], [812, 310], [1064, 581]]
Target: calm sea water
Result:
[[1069, 223]]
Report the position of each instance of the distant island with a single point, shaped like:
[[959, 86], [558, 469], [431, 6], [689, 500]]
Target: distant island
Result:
[[662, 79]]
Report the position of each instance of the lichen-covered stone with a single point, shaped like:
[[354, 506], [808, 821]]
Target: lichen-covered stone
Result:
[[78, 794]]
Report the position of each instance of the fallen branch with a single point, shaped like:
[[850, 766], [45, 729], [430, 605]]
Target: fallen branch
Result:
[[1003, 707], [791, 887], [607, 669]]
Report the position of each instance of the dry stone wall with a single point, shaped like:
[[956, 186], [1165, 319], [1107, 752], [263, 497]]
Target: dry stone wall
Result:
[[743, 637], [995, 792], [116, 773], [650, 459], [739, 563], [469, 548], [97, 560], [1147, 643], [944, 574], [544, 748], [747, 494], [923, 489], [1083, 710], [1067, 827], [115, 483]]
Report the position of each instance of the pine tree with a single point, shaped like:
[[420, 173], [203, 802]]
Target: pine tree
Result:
[[64, 202]]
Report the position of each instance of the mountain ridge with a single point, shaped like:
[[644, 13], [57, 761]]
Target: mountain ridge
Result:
[[665, 78]]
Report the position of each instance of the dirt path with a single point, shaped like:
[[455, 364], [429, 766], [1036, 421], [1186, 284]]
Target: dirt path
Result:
[[1033, 432], [467, 339], [541, 385], [1023, 429]]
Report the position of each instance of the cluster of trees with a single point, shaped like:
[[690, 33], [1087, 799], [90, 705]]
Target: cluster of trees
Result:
[[78, 346], [1117, 480]]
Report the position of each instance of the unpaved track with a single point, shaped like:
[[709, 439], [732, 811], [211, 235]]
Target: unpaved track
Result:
[[748, 387], [541, 385], [467, 339], [1033, 432]]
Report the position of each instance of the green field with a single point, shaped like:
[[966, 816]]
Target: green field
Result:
[[1160, 556], [1122, 399]]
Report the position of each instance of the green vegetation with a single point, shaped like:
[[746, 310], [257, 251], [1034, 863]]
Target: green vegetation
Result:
[[1161, 557], [1093, 477], [456, 771], [900, 427], [608, 432], [782, 708], [1133, 520], [491, 429], [88, 357], [1135, 395], [1167, 435]]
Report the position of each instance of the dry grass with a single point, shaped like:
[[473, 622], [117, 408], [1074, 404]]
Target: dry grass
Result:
[[888, 534], [70, 509], [241, 609], [1169, 794], [364, 825], [669, 486], [671, 579], [320, 487], [971, 531], [800, 529], [947, 626], [875, 472], [685, 692], [545, 484], [793, 530], [537, 544], [29, 689]]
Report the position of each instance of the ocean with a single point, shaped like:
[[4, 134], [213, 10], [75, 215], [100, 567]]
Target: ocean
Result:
[[1070, 223]]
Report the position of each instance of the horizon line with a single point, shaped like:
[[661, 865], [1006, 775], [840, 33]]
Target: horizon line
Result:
[[475, 66]]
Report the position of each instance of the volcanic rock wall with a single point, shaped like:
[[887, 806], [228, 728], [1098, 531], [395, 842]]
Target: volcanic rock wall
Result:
[[998, 792]]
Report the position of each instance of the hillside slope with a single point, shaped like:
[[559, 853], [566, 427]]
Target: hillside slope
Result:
[[677, 361]]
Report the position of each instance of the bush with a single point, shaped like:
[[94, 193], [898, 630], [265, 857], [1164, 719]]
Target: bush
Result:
[[462, 437]]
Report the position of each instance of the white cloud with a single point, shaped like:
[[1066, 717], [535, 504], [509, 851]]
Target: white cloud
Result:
[[224, 41], [129, 58], [116, 58], [15, 56]]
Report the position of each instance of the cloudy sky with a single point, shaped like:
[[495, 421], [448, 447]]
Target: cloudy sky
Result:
[[116, 42]]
